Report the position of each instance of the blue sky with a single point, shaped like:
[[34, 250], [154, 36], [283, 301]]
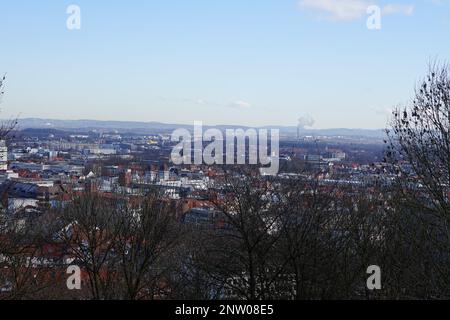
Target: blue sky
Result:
[[242, 62]]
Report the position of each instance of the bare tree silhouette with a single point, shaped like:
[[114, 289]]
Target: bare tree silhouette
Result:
[[9, 125], [419, 149]]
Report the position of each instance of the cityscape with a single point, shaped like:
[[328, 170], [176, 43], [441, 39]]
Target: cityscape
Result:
[[118, 183]]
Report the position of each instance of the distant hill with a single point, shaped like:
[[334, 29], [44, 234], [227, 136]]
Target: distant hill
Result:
[[37, 123], [157, 127]]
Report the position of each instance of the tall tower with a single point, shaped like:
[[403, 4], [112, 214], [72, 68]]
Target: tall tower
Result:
[[3, 155]]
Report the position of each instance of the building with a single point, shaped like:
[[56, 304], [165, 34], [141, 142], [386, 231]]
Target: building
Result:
[[3, 155]]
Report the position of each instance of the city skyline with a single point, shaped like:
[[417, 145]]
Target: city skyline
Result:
[[225, 158], [222, 63]]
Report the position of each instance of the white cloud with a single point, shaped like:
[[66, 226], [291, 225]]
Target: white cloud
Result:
[[348, 10], [398, 8], [382, 111], [240, 105], [338, 9]]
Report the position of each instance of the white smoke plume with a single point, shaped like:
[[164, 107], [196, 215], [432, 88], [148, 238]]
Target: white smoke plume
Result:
[[305, 122]]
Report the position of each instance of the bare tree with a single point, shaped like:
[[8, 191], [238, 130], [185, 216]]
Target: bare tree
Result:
[[24, 264], [146, 247], [419, 148], [6, 127], [330, 235], [125, 246], [243, 255], [91, 227]]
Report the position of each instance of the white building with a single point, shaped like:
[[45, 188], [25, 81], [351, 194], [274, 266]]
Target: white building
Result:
[[8, 175], [3, 155]]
